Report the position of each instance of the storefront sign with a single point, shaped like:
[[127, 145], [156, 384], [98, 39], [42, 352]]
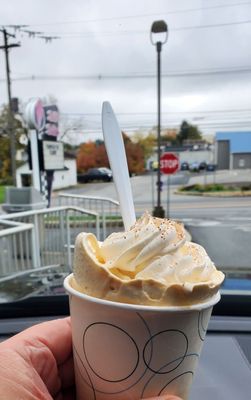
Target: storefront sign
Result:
[[51, 121], [34, 114], [53, 155]]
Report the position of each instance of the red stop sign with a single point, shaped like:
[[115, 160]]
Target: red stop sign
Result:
[[169, 163]]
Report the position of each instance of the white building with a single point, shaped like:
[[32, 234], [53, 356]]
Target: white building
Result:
[[62, 179]]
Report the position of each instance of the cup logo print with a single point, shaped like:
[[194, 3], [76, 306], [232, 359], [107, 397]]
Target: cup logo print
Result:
[[106, 373], [163, 362], [121, 371], [202, 324]]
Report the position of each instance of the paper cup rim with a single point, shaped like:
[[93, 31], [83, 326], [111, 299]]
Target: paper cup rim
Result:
[[138, 307]]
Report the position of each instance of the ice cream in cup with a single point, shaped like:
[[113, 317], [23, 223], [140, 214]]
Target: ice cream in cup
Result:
[[140, 303]]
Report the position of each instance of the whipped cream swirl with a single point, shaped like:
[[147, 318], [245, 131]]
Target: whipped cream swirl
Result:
[[151, 264], [156, 248]]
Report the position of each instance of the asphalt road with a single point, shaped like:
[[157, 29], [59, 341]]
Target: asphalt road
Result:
[[221, 225], [181, 206]]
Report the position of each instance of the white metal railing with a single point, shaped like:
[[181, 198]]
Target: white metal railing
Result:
[[16, 240], [37, 238], [107, 208]]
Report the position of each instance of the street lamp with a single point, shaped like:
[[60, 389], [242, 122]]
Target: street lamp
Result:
[[158, 35]]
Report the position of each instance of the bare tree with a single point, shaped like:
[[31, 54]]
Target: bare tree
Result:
[[69, 128]]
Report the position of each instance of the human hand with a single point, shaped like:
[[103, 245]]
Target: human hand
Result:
[[166, 397], [37, 363]]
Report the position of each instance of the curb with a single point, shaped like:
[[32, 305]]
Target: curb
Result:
[[215, 194]]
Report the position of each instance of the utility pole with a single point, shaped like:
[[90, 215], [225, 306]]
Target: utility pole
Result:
[[6, 48]]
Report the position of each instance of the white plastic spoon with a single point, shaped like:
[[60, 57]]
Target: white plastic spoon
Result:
[[116, 153]]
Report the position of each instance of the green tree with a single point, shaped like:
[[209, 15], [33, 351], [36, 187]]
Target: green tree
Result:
[[5, 155], [188, 131]]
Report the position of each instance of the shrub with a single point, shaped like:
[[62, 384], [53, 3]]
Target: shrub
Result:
[[245, 187], [213, 187], [192, 188], [216, 187]]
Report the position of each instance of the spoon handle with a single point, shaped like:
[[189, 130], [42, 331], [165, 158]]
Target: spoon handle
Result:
[[116, 153]]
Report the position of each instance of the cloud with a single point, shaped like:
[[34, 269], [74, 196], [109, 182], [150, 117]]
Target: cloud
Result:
[[112, 41]]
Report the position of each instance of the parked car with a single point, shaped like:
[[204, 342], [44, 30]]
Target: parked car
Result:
[[102, 174], [154, 165], [211, 167], [106, 170], [203, 165], [184, 166], [194, 167]]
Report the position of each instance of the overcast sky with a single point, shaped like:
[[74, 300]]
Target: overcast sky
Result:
[[103, 52]]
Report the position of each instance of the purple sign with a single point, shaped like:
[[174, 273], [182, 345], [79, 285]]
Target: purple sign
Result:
[[51, 121]]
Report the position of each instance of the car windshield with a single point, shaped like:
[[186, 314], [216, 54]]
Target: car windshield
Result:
[[105, 170], [63, 61]]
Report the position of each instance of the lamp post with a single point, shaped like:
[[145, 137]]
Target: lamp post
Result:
[[158, 35]]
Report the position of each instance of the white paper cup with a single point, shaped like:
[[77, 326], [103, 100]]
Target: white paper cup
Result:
[[129, 352]]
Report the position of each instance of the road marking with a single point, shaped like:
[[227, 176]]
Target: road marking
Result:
[[197, 206]]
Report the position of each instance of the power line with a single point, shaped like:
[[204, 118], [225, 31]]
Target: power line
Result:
[[213, 25], [217, 119], [49, 36], [32, 34], [137, 124], [214, 119], [88, 34], [142, 15], [169, 112], [193, 73], [133, 128]]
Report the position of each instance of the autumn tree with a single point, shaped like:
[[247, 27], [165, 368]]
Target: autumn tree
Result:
[[86, 156], [169, 136], [101, 156], [134, 155], [146, 142], [93, 154]]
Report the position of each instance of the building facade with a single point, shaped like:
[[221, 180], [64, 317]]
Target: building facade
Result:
[[62, 179], [233, 150]]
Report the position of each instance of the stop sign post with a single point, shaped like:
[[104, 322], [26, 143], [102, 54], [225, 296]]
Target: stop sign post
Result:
[[169, 164]]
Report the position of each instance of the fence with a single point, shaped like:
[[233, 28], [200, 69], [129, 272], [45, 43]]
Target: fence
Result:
[[16, 239], [38, 238], [107, 208]]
